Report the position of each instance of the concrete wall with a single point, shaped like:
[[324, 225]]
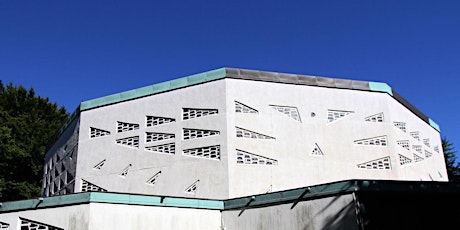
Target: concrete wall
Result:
[[110, 216], [309, 147], [327, 213], [74, 217], [203, 167], [61, 163], [97, 216], [230, 138]]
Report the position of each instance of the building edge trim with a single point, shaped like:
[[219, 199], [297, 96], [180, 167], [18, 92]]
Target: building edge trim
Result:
[[252, 201], [245, 74], [154, 89], [434, 125], [380, 87]]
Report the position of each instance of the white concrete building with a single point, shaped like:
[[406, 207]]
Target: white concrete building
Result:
[[231, 133]]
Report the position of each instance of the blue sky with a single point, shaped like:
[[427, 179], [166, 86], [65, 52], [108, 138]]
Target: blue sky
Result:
[[72, 51]]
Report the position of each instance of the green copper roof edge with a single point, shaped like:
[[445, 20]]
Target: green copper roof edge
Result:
[[340, 187], [286, 196], [154, 89], [434, 125], [114, 198], [310, 192], [380, 87], [43, 202], [220, 74], [111, 198]]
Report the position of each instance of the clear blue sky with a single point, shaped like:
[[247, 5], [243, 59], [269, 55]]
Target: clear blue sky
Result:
[[72, 51]]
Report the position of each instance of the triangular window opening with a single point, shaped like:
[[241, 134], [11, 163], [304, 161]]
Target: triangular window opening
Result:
[[153, 180], [192, 188], [317, 151], [242, 108], [125, 171], [99, 165]]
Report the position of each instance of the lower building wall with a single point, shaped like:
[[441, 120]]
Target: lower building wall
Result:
[[97, 216], [326, 213], [331, 213], [135, 217], [75, 217]]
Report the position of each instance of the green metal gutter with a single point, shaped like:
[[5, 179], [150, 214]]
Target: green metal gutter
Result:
[[154, 89], [114, 198], [244, 74], [46, 202], [380, 87], [434, 125], [109, 198], [259, 200], [341, 187], [288, 196]]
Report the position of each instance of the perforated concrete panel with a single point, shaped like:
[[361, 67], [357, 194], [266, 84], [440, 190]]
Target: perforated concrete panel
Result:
[[232, 132]]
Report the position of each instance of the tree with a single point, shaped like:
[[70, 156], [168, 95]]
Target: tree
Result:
[[453, 167], [28, 123]]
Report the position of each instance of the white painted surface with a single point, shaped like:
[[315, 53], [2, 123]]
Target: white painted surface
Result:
[[291, 147]]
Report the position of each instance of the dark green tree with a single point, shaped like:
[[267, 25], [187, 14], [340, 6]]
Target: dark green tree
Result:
[[28, 123], [450, 156]]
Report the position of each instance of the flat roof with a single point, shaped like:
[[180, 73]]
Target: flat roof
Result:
[[253, 201]]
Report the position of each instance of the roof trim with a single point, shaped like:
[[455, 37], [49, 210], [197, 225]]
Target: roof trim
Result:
[[247, 74], [380, 87], [110, 198], [339, 188], [434, 125], [154, 89], [258, 200]]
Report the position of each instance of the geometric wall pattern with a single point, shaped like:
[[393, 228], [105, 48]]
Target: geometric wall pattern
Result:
[[241, 108], [154, 120], [164, 148], [4, 226], [381, 163], [415, 135], [317, 151], [153, 179], [289, 111], [417, 158], [417, 148], [125, 171], [240, 132], [129, 141], [188, 113], [34, 225], [94, 132], [125, 127], [87, 187], [400, 125], [60, 168], [209, 152], [181, 122], [100, 164], [380, 141], [428, 154], [426, 142], [192, 188], [243, 157], [375, 118], [403, 160], [333, 115], [404, 144], [198, 133], [152, 137]]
